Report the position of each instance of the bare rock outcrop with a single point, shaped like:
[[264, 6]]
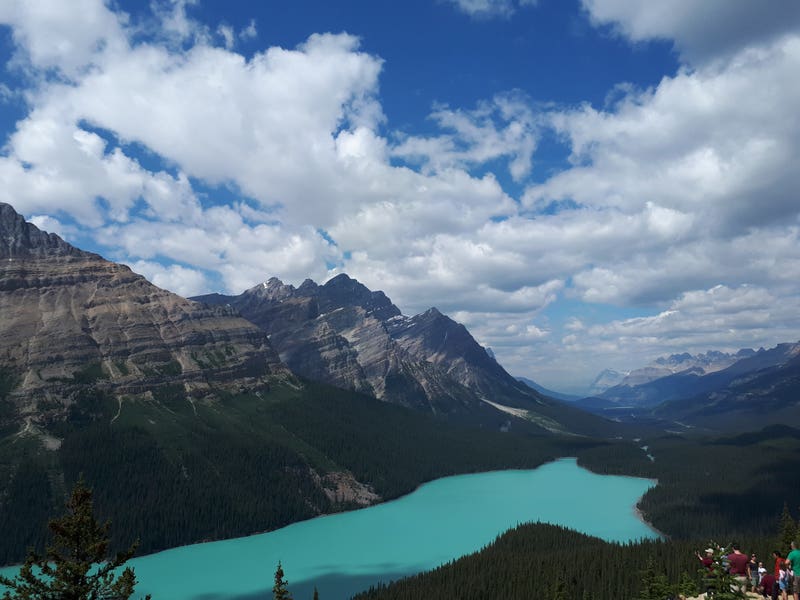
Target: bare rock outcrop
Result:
[[70, 318], [344, 334]]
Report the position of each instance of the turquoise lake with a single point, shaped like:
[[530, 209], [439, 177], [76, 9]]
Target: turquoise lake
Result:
[[345, 553]]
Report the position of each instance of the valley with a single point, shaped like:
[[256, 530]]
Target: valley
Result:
[[227, 416], [343, 554], [445, 299]]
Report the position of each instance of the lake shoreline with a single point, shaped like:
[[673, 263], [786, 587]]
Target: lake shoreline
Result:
[[442, 520], [636, 511]]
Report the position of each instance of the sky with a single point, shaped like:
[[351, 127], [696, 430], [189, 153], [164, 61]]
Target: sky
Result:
[[584, 184]]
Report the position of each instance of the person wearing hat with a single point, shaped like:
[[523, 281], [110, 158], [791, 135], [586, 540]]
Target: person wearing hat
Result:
[[708, 563], [708, 559]]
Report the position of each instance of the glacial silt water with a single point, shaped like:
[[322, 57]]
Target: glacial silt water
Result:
[[442, 520]]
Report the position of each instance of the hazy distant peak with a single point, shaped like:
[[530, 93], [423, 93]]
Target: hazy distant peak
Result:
[[607, 378]]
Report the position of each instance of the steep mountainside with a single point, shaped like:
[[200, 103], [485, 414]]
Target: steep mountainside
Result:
[[70, 318], [343, 334]]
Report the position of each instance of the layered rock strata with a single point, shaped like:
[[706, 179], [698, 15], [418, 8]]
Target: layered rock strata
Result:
[[70, 318]]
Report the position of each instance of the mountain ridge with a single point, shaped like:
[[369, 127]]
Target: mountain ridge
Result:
[[754, 390], [187, 408], [71, 317], [344, 334]]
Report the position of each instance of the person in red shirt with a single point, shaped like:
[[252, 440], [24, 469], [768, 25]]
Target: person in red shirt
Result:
[[769, 586], [708, 559], [779, 560], [708, 562], [737, 566]]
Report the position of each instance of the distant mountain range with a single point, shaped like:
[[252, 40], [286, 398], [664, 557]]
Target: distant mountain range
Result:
[[548, 392], [742, 390], [650, 385], [611, 383]]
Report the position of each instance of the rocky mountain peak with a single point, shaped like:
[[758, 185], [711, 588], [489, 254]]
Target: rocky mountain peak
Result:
[[19, 239], [308, 287], [432, 313], [344, 334], [272, 289], [71, 317]]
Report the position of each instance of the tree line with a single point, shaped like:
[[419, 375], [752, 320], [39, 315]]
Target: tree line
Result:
[[548, 561]]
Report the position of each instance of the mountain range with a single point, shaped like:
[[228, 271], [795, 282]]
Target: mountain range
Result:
[[346, 335], [325, 398], [714, 390], [227, 415]]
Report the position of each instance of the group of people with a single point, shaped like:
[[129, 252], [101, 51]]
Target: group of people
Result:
[[779, 583]]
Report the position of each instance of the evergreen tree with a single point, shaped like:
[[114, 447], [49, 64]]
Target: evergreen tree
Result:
[[316, 593], [687, 586], [559, 590], [654, 586], [787, 529], [726, 586], [76, 566], [279, 591]]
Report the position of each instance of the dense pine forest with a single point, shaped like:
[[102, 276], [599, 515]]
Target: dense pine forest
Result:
[[713, 486], [554, 563], [245, 464], [253, 463], [736, 488]]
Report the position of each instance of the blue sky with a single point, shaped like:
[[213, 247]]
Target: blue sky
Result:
[[584, 184]]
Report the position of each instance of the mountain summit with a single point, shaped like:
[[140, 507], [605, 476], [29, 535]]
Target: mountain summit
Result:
[[71, 316], [346, 335]]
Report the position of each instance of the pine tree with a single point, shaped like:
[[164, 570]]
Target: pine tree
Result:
[[653, 586], [279, 591], [687, 586], [787, 529], [559, 590], [725, 584], [76, 566]]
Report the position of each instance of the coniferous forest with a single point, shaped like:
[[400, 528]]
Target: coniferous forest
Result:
[[247, 464], [252, 464], [554, 563]]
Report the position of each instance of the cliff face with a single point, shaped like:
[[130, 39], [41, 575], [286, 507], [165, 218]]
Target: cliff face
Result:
[[70, 317], [346, 335]]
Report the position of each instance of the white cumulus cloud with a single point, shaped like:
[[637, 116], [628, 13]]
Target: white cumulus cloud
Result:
[[206, 168]]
